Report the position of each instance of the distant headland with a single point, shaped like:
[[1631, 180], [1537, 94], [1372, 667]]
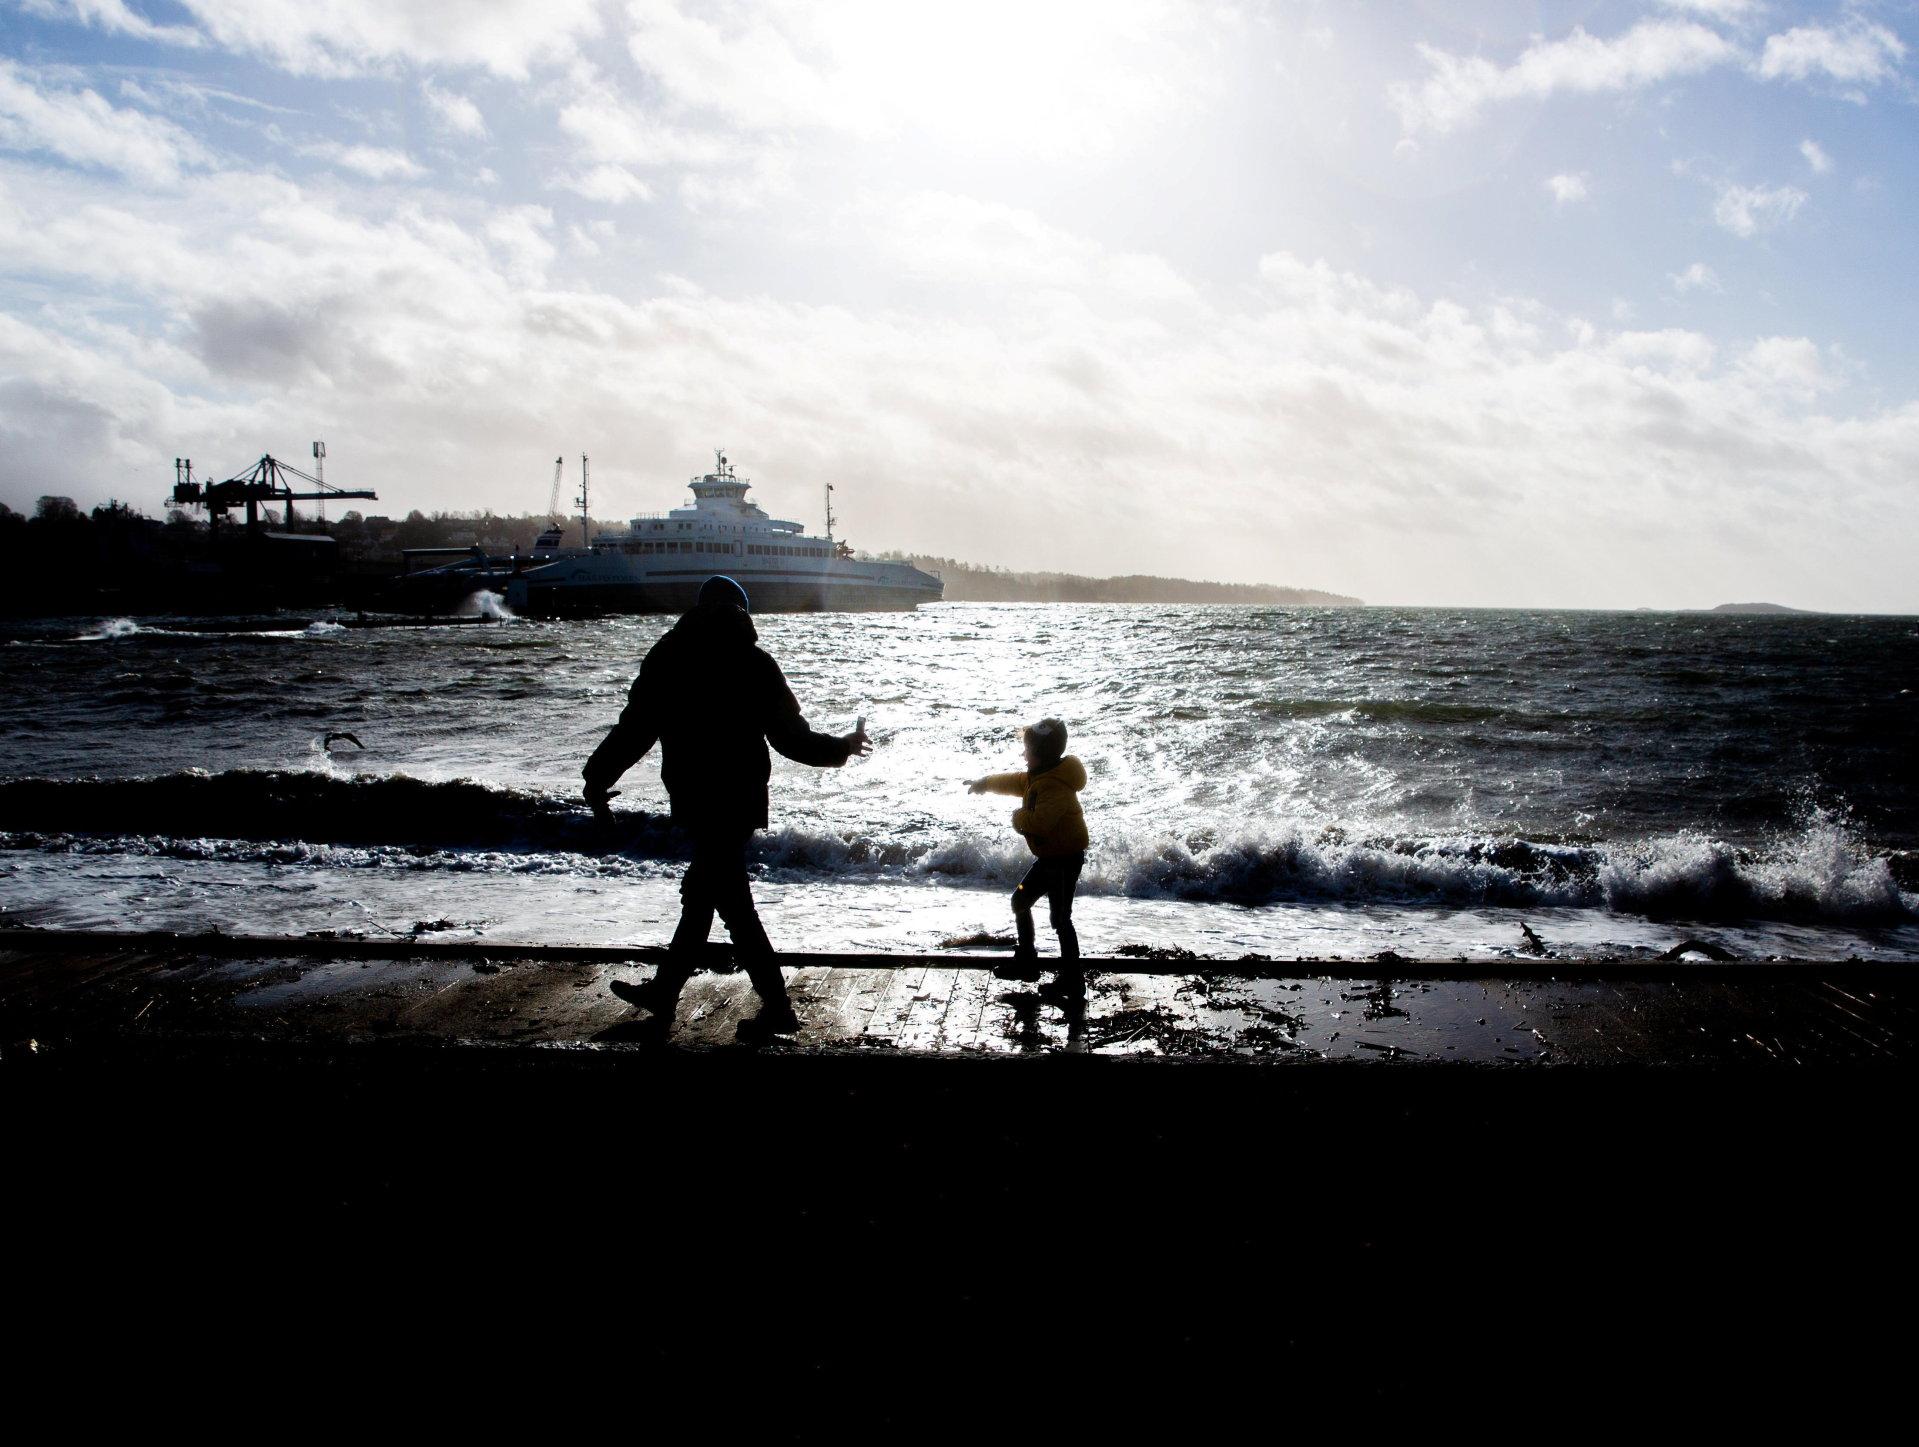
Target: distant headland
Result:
[[967, 583], [1758, 608]]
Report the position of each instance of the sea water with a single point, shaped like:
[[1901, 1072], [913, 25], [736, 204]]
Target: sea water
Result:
[[1321, 782]]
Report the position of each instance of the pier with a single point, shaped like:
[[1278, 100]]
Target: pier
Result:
[[1227, 1178]]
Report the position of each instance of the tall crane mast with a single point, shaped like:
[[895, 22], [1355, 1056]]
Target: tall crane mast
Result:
[[553, 500]]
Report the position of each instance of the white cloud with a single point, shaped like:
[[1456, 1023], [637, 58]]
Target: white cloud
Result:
[[353, 37], [961, 244], [520, 233], [613, 185], [1747, 210], [1458, 87], [1567, 188], [1697, 277], [83, 129], [1815, 155], [376, 163], [1667, 352], [624, 148], [1860, 52], [1791, 365], [1403, 446], [113, 17], [1724, 11], [609, 130], [592, 238], [174, 94], [1067, 77], [452, 112]]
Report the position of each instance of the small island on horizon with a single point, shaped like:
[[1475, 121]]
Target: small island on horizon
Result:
[[1758, 608]]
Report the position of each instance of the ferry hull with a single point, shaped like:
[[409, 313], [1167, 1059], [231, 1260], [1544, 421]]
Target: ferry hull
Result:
[[660, 562], [769, 595]]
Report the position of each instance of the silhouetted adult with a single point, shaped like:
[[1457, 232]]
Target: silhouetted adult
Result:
[[713, 699]]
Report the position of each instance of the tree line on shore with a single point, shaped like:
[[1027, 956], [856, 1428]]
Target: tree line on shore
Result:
[[969, 583], [59, 551]]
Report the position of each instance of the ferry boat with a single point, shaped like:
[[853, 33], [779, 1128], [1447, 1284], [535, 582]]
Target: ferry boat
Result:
[[659, 562]]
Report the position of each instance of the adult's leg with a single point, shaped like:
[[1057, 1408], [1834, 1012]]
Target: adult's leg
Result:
[[722, 859], [696, 919], [661, 994]]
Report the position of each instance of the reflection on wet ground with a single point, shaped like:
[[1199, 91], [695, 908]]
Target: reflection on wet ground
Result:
[[942, 1005]]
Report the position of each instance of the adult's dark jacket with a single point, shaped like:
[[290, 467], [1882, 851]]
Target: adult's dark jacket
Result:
[[713, 699]]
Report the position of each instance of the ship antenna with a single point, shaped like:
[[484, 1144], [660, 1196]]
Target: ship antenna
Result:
[[586, 536], [829, 512]]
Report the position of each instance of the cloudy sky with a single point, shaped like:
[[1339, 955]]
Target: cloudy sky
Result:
[[1598, 304]]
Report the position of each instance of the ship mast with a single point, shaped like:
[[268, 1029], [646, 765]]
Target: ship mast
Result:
[[586, 536], [829, 512]]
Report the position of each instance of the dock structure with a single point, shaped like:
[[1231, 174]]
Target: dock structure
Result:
[[101, 992], [1225, 1190]]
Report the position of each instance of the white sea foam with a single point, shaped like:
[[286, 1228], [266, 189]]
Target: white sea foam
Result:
[[485, 604], [111, 628], [1819, 874]]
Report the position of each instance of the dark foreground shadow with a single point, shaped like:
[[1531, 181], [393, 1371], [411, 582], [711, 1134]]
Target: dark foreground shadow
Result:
[[866, 1221]]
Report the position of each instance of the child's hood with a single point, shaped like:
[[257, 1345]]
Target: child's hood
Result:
[[1069, 771]]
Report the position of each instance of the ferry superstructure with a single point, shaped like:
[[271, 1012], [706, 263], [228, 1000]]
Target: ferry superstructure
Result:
[[659, 562]]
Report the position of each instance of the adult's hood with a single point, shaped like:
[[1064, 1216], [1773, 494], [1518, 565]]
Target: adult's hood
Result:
[[717, 625]]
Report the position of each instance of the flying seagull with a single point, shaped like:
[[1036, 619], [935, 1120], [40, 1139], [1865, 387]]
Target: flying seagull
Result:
[[327, 742]]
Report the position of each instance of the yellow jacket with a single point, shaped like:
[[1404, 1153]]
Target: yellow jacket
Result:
[[1051, 821]]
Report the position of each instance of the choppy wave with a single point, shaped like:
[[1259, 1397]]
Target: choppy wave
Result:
[[1821, 872], [270, 805], [110, 629], [1384, 710]]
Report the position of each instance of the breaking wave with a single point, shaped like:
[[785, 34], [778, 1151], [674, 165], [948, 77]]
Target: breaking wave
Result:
[[110, 629], [1821, 872], [485, 604], [307, 807]]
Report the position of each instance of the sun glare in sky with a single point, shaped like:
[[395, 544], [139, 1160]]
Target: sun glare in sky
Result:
[[998, 75], [1479, 304]]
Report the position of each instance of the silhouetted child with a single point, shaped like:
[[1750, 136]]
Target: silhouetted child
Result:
[[1055, 830]]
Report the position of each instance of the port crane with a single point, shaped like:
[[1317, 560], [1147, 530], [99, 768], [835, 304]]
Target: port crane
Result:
[[266, 482]]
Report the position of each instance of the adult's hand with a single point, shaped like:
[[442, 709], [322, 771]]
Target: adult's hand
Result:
[[858, 745], [976, 786]]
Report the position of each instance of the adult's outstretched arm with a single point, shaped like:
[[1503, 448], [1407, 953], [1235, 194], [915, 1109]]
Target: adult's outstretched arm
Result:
[[787, 730], [625, 744]]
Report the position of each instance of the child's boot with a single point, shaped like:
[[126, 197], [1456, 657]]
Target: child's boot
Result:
[[1023, 967], [1068, 987]]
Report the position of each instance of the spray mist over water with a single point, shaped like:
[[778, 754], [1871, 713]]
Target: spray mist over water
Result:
[[485, 604]]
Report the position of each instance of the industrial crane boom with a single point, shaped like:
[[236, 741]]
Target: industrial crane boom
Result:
[[264, 482]]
